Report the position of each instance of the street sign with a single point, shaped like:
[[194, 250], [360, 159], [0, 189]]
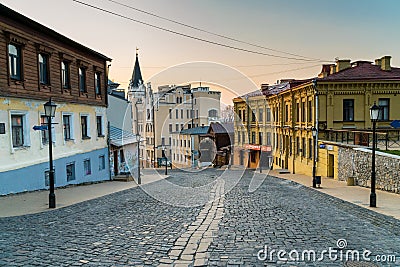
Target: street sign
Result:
[[395, 124], [40, 127]]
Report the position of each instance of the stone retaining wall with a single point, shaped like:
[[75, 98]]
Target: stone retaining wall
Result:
[[357, 162]]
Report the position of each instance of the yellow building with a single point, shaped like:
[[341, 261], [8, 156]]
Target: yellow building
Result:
[[344, 92]]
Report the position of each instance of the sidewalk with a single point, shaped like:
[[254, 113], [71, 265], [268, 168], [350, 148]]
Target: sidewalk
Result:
[[37, 201], [387, 203]]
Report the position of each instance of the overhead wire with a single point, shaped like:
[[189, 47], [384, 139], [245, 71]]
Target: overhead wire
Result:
[[208, 32], [190, 36]]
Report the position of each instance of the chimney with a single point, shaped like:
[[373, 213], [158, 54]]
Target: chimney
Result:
[[378, 62], [342, 64], [385, 63], [264, 86], [333, 69], [325, 72]]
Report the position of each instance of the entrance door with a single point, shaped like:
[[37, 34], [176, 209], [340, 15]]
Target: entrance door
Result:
[[331, 166], [116, 162]]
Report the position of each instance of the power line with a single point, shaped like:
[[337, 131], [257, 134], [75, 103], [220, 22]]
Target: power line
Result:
[[233, 66], [209, 32], [189, 36]]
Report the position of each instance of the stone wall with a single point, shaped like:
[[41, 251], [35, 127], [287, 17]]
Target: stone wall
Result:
[[357, 162]]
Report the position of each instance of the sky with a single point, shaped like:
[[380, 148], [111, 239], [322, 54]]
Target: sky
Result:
[[322, 30]]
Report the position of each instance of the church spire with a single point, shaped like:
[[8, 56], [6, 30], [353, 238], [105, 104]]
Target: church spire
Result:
[[137, 74]]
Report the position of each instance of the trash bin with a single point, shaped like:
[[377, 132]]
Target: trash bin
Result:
[[350, 181], [318, 181]]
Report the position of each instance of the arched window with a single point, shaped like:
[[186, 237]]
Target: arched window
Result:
[[212, 113]]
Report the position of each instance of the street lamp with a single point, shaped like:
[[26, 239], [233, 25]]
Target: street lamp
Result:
[[138, 102], [314, 134], [50, 112], [374, 112]]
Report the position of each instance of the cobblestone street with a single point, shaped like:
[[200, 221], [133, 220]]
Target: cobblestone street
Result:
[[206, 218]]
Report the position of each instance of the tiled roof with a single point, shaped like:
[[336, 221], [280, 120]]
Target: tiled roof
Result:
[[218, 127], [195, 131], [363, 70]]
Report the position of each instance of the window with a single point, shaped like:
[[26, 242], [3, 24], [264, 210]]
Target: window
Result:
[[384, 105], [84, 127], [177, 127], [181, 113], [303, 111], [184, 143], [239, 137], [99, 123], [268, 139], [102, 162], [163, 141], [43, 68], [82, 80], [17, 128], [253, 137], [169, 140], [170, 113], [348, 109], [67, 127], [268, 114], [176, 114], [86, 167], [197, 113], [261, 115], [45, 133], [303, 149], [309, 113], [253, 116], [15, 61], [287, 113], [212, 113], [244, 115], [70, 169], [97, 83], [170, 128], [187, 114], [260, 138], [65, 75], [297, 112], [243, 137]]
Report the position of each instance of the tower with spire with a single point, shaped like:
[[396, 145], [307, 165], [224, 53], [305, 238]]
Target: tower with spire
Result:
[[141, 97]]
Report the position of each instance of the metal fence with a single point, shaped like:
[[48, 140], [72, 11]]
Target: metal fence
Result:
[[387, 139]]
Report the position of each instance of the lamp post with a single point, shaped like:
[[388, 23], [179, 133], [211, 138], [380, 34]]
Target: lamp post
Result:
[[374, 115], [314, 134], [50, 112]]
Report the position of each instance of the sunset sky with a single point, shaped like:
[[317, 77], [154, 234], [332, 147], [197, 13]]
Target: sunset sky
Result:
[[315, 29]]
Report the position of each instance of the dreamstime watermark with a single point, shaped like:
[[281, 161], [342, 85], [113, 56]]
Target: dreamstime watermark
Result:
[[338, 253]]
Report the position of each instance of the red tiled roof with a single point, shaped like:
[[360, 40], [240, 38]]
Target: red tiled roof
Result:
[[364, 71]]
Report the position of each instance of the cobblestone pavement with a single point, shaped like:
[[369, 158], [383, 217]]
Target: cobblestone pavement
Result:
[[131, 228]]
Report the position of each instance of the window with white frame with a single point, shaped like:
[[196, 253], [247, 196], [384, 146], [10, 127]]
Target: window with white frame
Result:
[[17, 128], [15, 61], [43, 68], [97, 83], [45, 133], [99, 125], [20, 130], [85, 126], [67, 127], [65, 77], [82, 80]]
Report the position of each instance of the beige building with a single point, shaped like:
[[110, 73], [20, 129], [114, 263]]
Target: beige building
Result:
[[181, 107], [336, 102]]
